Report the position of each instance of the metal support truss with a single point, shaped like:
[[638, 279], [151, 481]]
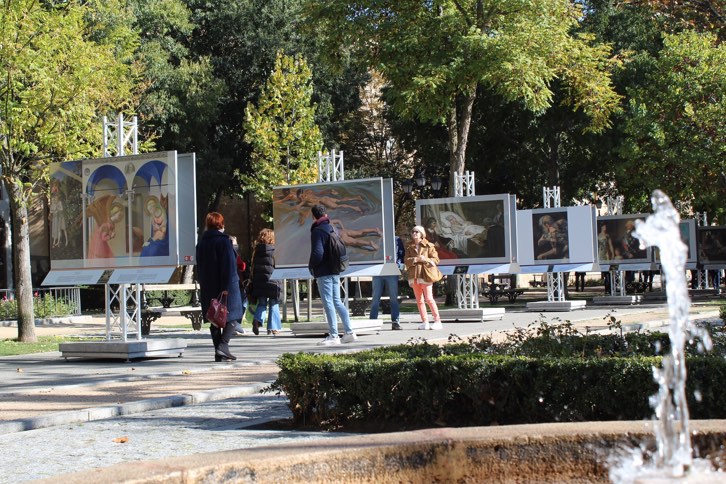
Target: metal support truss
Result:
[[555, 287], [467, 287], [128, 317], [464, 184], [118, 135], [330, 167], [617, 283]]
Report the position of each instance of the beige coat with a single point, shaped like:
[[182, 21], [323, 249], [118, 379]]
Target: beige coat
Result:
[[418, 271]]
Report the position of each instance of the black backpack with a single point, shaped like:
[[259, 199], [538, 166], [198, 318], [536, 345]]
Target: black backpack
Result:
[[338, 254]]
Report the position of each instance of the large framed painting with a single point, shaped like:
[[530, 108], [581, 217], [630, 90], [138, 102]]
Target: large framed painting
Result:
[[360, 210], [551, 236], [616, 243], [469, 230], [120, 212], [712, 245], [687, 228]]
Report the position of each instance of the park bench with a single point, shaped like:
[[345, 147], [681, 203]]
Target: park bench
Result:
[[191, 309], [494, 291]]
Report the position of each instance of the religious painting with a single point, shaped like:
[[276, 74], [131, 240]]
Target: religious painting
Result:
[[616, 242], [355, 208], [468, 230], [556, 236], [550, 236], [115, 212]]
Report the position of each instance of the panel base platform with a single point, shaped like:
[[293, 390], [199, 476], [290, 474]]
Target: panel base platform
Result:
[[473, 315], [556, 306], [123, 350], [616, 300], [320, 327]]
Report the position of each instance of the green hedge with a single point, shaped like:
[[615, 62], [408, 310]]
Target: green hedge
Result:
[[420, 385]]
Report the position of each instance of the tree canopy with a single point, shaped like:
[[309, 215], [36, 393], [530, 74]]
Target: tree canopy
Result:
[[676, 134], [281, 129], [434, 55]]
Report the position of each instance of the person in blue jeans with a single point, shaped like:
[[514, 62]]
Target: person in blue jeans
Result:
[[391, 284], [264, 289], [327, 278]]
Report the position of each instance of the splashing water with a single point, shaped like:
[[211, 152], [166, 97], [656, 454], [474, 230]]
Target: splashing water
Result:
[[674, 455]]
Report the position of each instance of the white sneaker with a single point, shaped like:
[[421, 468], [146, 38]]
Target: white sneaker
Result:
[[424, 326], [349, 338], [330, 341], [437, 325]]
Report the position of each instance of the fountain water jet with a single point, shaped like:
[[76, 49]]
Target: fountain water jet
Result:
[[674, 454]]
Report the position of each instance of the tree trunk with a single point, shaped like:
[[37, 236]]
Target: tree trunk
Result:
[[21, 261], [187, 275], [458, 126]]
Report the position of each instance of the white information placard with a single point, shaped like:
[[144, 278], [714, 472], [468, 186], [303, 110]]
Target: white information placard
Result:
[[142, 275]]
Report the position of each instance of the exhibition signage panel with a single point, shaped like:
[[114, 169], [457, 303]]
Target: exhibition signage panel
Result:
[[470, 230], [360, 210], [556, 236]]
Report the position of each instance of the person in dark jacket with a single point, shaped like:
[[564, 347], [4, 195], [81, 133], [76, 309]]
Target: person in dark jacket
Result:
[[327, 278], [217, 273], [264, 289]]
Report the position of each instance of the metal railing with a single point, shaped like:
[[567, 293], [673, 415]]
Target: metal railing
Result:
[[68, 296]]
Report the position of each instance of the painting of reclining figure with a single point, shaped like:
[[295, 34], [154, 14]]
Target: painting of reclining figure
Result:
[[475, 229], [355, 209]]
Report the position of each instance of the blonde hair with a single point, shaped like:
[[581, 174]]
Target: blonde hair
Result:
[[420, 230], [266, 236]]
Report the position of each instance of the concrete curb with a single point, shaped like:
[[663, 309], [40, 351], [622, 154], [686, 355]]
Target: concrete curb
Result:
[[65, 320], [140, 406]]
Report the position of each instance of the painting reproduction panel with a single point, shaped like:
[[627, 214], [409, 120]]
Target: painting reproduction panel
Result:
[[616, 243], [712, 245], [467, 230], [355, 209]]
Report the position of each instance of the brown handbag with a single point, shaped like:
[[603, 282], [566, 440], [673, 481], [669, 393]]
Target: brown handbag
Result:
[[432, 274]]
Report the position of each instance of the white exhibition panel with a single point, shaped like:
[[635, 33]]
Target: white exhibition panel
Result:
[[124, 211], [470, 230], [360, 210], [187, 213], [579, 237]]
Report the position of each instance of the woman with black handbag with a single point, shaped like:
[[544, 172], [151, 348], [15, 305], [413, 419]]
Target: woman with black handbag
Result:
[[217, 273], [264, 290]]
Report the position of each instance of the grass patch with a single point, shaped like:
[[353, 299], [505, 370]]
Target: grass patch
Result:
[[12, 347]]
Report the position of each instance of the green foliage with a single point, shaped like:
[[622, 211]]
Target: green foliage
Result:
[[281, 129], [435, 55], [43, 307], [554, 376], [56, 81], [675, 129]]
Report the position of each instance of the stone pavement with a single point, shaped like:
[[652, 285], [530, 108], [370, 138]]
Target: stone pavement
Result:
[[95, 413]]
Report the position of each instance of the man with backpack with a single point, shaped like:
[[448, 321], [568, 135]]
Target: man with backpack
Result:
[[325, 266]]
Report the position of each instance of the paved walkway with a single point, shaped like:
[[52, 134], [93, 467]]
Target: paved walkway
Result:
[[95, 413]]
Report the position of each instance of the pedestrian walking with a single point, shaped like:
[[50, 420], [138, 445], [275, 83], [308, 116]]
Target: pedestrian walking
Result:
[[217, 274], [265, 290], [325, 271]]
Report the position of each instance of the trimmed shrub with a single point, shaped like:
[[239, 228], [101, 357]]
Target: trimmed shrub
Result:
[[478, 383]]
